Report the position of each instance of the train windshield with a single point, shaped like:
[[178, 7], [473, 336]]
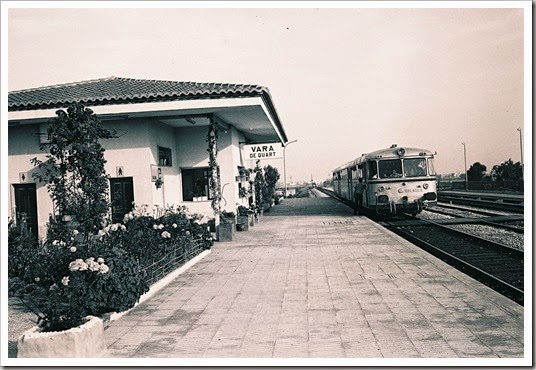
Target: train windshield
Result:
[[431, 168], [414, 167], [390, 168]]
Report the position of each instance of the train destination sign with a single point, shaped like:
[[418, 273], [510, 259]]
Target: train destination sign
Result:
[[263, 151]]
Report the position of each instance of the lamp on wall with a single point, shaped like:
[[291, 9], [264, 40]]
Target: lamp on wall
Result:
[[158, 183]]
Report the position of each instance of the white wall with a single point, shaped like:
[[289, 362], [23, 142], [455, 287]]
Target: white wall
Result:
[[136, 149], [23, 145]]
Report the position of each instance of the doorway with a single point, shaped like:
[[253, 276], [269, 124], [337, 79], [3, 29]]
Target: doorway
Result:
[[122, 196], [26, 206]]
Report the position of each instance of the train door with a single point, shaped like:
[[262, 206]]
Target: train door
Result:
[[122, 196], [26, 205]]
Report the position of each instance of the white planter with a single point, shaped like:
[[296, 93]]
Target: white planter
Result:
[[86, 340]]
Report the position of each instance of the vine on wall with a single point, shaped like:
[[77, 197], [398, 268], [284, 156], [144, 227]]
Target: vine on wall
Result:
[[215, 184]]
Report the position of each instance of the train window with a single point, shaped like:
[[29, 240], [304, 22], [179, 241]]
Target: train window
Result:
[[372, 170], [391, 168], [354, 173], [415, 167], [431, 169]]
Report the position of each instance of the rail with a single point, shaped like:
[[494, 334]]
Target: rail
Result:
[[496, 265]]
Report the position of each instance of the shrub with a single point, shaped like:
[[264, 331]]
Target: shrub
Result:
[[22, 249], [69, 281], [244, 211]]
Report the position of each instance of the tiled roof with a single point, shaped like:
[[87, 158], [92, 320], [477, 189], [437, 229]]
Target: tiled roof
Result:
[[118, 90]]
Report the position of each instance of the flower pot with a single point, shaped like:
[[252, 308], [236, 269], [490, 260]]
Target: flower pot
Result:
[[225, 232], [86, 340], [243, 220]]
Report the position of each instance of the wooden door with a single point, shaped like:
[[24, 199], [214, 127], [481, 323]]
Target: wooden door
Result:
[[122, 196], [26, 206]]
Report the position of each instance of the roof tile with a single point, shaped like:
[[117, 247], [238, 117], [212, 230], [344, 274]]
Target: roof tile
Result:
[[123, 90]]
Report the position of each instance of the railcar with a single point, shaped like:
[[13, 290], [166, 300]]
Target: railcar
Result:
[[397, 180]]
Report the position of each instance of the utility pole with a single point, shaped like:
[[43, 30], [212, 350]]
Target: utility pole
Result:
[[465, 166], [521, 147], [285, 165]]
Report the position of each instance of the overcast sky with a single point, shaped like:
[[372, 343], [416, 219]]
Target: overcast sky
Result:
[[344, 81]]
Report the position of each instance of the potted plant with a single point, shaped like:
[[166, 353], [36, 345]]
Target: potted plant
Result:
[[226, 227], [243, 218]]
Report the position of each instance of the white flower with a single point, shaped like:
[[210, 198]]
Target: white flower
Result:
[[160, 226], [123, 227], [73, 249], [90, 259], [78, 264], [75, 232], [53, 286], [65, 280], [100, 260], [55, 242], [131, 216], [174, 226], [166, 235], [92, 265], [37, 279], [103, 268], [101, 233], [62, 243], [113, 227], [155, 227], [187, 233]]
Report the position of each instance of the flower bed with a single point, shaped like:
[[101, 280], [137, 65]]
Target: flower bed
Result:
[[74, 276]]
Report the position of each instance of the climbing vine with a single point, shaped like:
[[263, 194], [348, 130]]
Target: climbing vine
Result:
[[215, 185]]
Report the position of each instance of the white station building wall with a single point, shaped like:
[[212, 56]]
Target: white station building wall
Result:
[[135, 151]]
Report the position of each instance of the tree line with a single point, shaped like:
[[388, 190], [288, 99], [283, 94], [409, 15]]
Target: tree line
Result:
[[506, 171]]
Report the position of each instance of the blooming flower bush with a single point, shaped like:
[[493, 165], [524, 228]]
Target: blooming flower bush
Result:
[[71, 277], [68, 281]]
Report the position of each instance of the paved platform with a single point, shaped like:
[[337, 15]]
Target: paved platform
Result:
[[311, 280]]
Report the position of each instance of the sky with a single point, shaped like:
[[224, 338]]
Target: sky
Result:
[[344, 81]]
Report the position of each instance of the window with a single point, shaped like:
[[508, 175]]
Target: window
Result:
[[391, 168], [415, 167], [196, 184], [431, 168], [372, 170], [164, 156]]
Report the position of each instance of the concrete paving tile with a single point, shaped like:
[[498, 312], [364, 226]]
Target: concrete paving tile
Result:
[[121, 351], [328, 285], [133, 340]]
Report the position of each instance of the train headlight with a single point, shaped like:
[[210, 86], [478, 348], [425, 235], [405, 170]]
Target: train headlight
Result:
[[430, 196], [381, 188], [425, 185], [401, 151], [383, 199]]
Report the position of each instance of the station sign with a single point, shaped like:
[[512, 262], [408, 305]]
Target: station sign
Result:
[[263, 151]]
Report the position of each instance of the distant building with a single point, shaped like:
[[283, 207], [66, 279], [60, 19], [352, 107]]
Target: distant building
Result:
[[162, 128]]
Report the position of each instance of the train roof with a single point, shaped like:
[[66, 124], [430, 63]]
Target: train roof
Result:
[[391, 152]]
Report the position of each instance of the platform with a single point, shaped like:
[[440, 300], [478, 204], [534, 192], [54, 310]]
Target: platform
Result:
[[313, 281]]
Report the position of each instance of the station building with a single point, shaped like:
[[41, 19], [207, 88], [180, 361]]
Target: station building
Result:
[[162, 129]]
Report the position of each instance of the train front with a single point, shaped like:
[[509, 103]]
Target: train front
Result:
[[401, 180]]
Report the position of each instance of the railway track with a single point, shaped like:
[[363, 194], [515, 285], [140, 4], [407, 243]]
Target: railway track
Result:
[[495, 220], [494, 264], [491, 201]]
